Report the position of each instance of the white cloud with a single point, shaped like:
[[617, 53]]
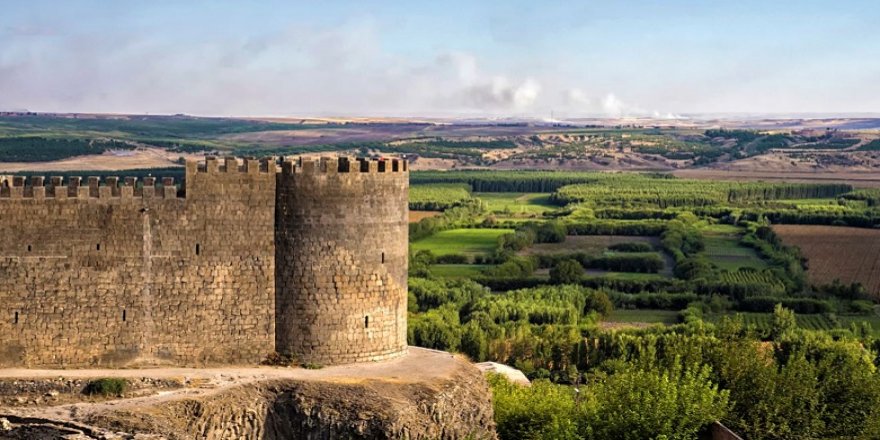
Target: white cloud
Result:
[[304, 70]]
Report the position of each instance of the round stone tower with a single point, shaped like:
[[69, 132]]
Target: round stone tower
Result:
[[341, 237]]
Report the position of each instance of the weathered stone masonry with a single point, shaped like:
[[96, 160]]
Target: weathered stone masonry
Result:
[[308, 260]]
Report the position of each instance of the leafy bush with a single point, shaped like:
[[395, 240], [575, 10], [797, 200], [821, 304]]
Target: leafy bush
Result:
[[566, 272], [452, 259], [515, 267], [631, 247], [107, 387], [630, 404]]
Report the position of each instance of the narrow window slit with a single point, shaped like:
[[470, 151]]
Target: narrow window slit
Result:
[[98, 247], [123, 315], [198, 249], [29, 248], [366, 322], [16, 318], [383, 257]]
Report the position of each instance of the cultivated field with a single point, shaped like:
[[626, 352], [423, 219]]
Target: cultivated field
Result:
[[591, 244], [726, 252], [847, 254], [516, 203], [464, 241]]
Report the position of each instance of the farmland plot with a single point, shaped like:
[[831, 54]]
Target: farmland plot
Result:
[[847, 254]]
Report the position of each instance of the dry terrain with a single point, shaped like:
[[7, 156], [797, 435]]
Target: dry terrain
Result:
[[416, 216], [847, 254], [109, 161], [424, 395]]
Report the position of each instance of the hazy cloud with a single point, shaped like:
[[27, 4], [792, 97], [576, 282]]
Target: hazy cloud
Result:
[[568, 61]]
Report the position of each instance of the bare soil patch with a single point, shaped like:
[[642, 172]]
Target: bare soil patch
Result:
[[108, 161], [847, 254], [612, 325], [416, 216]]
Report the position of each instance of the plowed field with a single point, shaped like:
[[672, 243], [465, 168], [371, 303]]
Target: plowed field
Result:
[[847, 254]]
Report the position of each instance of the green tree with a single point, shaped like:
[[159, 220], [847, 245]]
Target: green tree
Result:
[[652, 404], [566, 272], [474, 342], [784, 323]]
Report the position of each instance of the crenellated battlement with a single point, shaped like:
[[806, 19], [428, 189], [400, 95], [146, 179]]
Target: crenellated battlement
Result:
[[93, 187], [230, 164], [335, 165]]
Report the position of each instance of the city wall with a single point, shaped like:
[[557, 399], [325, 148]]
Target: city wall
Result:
[[117, 273], [308, 259]]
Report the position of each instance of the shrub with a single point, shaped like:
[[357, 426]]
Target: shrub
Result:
[[630, 404], [515, 267], [641, 404], [109, 386], [566, 272], [631, 247], [452, 259], [642, 263], [550, 232]]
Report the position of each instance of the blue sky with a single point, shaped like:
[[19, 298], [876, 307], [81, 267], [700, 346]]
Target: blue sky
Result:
[[450, 58]]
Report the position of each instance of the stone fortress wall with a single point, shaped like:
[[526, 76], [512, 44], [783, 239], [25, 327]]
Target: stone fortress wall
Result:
[[116, 273]]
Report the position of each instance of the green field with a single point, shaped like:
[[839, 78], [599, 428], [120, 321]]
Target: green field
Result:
[[722, 229], [644, 315], [516, 203], [764, 320], [437, 197], [458, 270], [760, 321], [624, 275], [874, 320], [807, 202], [461, 241], [726, 252], [590, 244]]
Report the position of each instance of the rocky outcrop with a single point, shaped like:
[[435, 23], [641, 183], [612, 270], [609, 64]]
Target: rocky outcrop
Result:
[[424, 395], [284, 409]]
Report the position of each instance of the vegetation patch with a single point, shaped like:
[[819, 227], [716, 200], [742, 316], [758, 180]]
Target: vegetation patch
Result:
[[461, 241], [107, 387], [437, 197], [41, 149], [837, 253], [511, 204], [727, 253], [458, 270]]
